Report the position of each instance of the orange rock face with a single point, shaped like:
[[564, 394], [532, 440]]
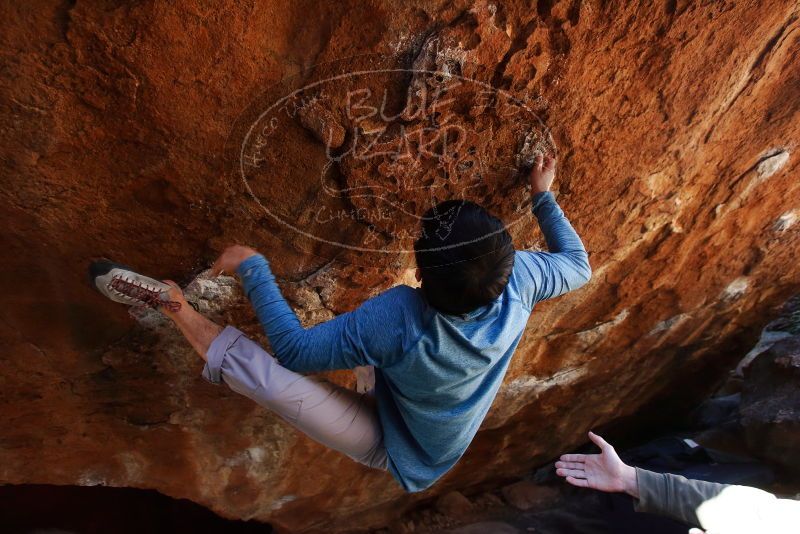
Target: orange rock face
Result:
[[144, 133]]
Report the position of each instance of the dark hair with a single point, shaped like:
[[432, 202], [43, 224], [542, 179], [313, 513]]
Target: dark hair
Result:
[[465, 255]]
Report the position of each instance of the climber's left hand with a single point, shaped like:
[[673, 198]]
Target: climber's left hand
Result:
[[231, 258]]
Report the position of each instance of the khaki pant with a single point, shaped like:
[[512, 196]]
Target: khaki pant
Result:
[[340, 419]]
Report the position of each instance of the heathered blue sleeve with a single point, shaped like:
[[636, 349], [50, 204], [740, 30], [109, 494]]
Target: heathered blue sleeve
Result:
[[370, 335], [565, 267]]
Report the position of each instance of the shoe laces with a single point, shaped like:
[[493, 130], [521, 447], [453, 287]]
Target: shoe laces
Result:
[[135, 290]]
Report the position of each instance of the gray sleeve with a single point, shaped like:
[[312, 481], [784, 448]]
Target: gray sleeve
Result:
[[673, 496], [717, 508]]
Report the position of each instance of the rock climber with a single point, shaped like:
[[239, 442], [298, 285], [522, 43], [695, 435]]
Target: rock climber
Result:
[[439, 351], [717, 508]]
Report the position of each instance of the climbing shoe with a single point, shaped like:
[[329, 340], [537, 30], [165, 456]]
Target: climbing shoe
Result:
[[122, 284]]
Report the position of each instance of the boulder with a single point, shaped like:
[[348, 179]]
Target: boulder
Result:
[[770, 408], [453, 504], [144, 132], [525, 495]]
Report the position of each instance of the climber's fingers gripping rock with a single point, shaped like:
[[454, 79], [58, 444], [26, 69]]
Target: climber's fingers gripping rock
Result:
[[230, 259], [543, 173]]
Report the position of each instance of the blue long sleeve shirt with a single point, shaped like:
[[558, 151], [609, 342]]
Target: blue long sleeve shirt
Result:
[[436, 374]]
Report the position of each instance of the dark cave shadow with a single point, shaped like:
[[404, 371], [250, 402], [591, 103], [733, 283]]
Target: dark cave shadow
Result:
[[30, 508]]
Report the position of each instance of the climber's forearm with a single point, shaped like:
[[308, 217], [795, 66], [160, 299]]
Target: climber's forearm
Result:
[[334, 344], [559, 234], [281, 325], [277, 318]]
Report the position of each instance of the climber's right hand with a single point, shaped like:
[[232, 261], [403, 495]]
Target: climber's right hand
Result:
[[543, 173], [231, 258]]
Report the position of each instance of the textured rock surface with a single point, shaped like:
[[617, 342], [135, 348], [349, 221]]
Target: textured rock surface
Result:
[[770, 409], [676, 128]]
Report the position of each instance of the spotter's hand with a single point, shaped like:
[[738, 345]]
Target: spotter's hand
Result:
[[604, 471]]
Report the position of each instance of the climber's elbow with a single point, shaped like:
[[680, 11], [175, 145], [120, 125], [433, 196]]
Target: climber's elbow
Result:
[[583, 270], [288, 350], [586, 272], [297, 353]]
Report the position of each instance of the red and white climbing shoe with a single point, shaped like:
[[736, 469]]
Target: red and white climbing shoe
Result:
[[123, 284]]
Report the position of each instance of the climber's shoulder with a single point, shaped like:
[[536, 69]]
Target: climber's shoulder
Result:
[[405, 295], [402, 299], [398, 309]]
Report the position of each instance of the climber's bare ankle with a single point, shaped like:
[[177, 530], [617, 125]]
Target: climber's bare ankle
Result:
[[175, 296]]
